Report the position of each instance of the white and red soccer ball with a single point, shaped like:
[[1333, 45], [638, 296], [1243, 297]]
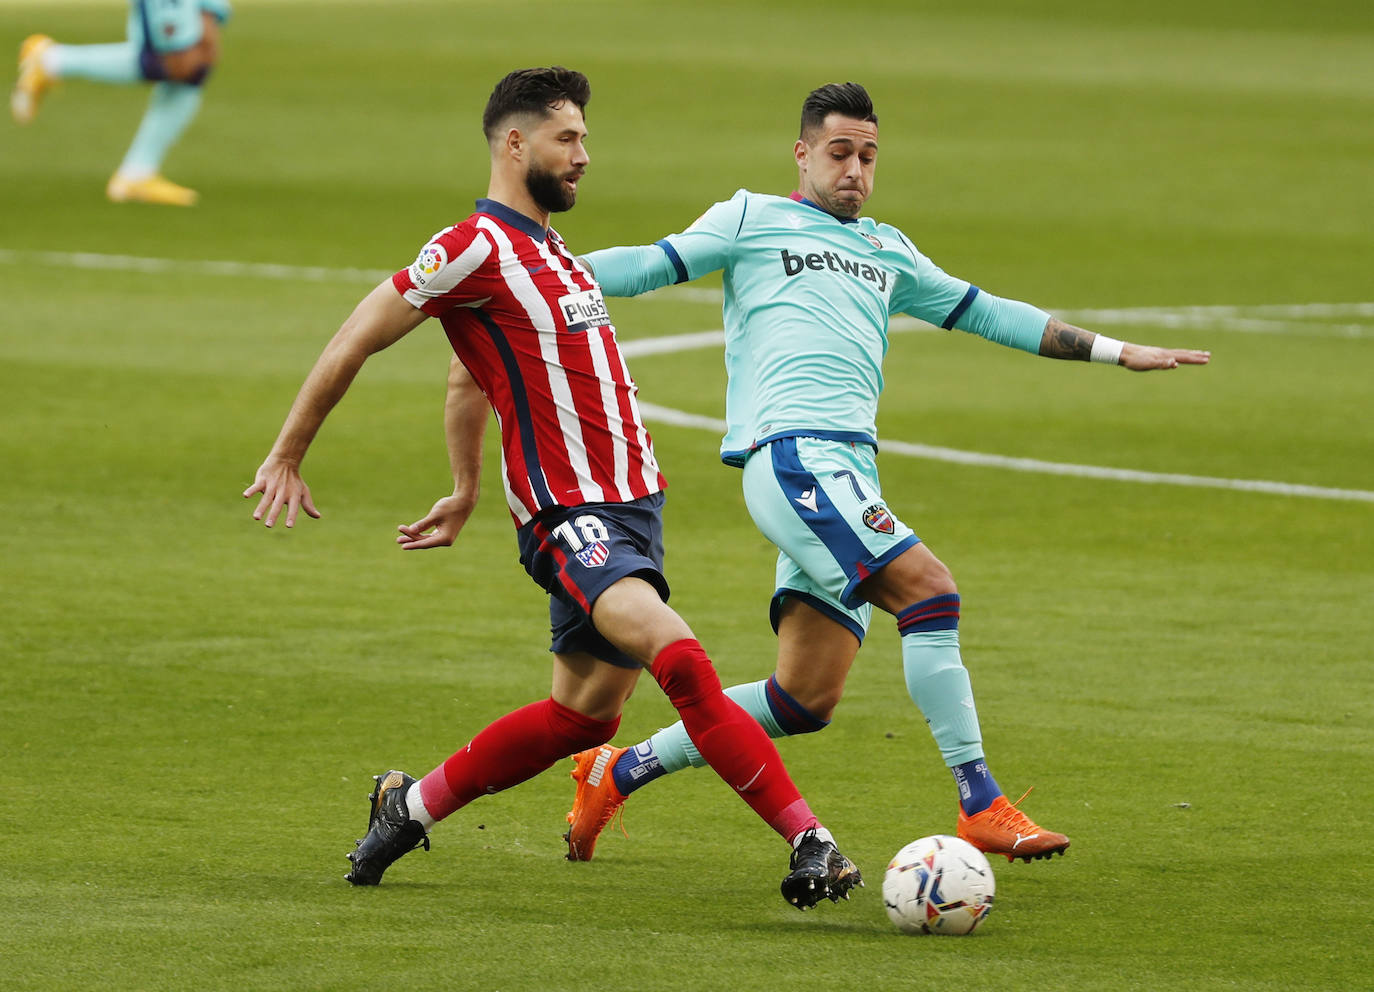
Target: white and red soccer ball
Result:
[[940, 885]]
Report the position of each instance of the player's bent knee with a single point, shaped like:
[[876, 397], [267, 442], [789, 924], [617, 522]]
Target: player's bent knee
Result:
[[685, 673], [816, 703]]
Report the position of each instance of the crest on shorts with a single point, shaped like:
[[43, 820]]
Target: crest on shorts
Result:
[[594, 555], [877, 518]]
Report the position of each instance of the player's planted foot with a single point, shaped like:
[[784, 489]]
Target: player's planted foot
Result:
[[391, 832], [1003, 829], [597, 799], [150, 189], [33, 81], [819, 871]]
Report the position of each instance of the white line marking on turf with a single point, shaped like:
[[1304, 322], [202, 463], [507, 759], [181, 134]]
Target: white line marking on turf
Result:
[[1264, 318], [679, 418], [162, 266]]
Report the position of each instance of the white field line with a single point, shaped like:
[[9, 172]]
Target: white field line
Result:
[[164, 266], [678, 418], [1268, 318]]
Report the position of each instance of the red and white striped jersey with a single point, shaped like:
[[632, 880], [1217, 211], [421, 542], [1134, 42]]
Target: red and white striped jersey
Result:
[[529, 322]]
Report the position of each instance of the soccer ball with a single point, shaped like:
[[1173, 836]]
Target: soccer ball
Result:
[[940, 885]]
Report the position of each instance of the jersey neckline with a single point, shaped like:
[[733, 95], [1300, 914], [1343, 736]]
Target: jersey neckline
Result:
[[512, 217], [796, 195]]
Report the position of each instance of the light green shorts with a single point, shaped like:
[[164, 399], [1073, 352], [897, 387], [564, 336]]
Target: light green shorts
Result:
[[171, 25], [820, 502]]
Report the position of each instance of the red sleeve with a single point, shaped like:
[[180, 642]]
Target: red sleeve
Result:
[[448, 272]]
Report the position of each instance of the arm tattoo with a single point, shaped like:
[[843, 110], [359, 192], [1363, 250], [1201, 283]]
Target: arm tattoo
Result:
[[1063, 340]]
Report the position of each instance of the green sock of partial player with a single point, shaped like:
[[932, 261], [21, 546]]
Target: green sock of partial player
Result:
[[171, 109], [99, 63]]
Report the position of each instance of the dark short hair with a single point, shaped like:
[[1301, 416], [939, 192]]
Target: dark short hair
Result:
[[527, 91], [849, 99]]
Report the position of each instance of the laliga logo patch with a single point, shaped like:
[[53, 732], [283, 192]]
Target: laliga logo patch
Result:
[[873, 241], [432, 259], [594, 555], [877, 518]]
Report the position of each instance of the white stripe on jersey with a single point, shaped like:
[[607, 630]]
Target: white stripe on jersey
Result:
[[642, 435], [541, 319], [517, 506], [596, 345], [451, 274]]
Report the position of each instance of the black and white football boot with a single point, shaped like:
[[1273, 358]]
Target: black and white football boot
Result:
[[819, 871], [391, 833]]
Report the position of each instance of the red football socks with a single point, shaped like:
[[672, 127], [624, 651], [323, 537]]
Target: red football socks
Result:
[[516, 747], [730, 739]]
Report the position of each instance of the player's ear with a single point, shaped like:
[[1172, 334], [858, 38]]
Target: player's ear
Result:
[[515, 143], [799, 153]]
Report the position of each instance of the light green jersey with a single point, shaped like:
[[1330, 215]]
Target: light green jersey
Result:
[[807, 301]]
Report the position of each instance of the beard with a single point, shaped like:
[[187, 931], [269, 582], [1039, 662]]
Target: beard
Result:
[[548, 190]]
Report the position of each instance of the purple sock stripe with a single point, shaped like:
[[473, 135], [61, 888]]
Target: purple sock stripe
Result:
[[792, 716], [935, 613]]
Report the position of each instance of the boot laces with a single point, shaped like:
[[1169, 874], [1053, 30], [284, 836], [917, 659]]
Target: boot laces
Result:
[[1011, 818]]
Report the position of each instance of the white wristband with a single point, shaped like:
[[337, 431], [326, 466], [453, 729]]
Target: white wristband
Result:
[[1106, 350]]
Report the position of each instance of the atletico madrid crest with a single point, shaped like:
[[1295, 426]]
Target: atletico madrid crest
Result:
[[594, 555], [877, 518]]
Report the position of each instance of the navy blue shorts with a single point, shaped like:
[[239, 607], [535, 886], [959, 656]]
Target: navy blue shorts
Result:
[[577, 553]]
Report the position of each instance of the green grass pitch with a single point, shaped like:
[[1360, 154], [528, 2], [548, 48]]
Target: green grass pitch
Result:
[[191, 706]]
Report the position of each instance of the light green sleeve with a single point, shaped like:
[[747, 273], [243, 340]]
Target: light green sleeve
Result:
[[703, 248], [1005, 322], [631, 271]]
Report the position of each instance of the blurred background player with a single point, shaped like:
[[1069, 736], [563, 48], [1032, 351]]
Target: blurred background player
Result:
[[172, 44], [529, 329], [809, 287]]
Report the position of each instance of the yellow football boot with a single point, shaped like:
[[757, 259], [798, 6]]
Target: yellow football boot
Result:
[[34, 80], [150, 189]]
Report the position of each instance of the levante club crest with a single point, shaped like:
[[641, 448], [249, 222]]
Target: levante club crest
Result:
[[877, 518]]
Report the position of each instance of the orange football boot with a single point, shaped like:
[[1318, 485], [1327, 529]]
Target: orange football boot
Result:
[[1003, 829], [596, 802]]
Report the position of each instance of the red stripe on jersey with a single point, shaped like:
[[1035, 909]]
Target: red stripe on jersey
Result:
[[530, 324]]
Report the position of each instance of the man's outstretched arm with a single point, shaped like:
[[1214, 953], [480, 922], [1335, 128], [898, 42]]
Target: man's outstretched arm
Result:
[[380, 320], [1061, 340], [1028, 328]]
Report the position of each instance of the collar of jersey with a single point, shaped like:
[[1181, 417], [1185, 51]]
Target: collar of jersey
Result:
[[512, 218], [816, 206]]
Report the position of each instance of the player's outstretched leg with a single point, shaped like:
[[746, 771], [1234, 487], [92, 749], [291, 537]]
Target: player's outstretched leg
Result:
[[939, 684], [171, 108], [819, 871], [391, 832], [508, 751], [606, 776], [740, 752]]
